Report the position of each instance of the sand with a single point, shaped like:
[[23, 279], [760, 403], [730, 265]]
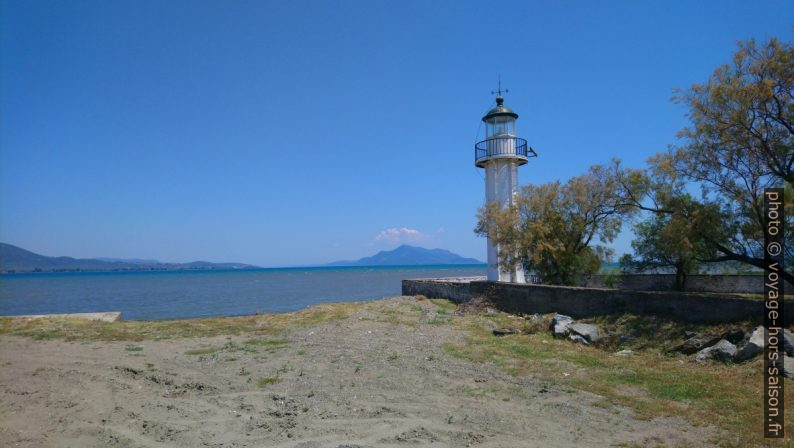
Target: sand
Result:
[[356, 382]]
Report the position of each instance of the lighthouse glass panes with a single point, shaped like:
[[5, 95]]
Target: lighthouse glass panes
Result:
[[500, 125]]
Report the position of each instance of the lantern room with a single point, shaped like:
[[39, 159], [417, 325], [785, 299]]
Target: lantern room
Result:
[[500, 121]]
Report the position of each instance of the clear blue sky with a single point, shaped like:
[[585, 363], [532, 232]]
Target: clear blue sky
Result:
[[288, 133]]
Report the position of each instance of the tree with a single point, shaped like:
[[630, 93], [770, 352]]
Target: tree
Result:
[[672, 240], [672, 236], [743, 119], [741, 142], [558, 231]]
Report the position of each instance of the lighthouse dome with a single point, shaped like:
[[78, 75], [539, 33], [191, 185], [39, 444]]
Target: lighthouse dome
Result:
[[499, 111]]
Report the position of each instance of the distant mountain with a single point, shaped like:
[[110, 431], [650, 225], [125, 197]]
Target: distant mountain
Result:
[[129, 260], [16, 259], [408, 256]]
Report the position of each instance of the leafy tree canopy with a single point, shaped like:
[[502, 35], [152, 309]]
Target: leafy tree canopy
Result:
[[558, 231], [740, 142]]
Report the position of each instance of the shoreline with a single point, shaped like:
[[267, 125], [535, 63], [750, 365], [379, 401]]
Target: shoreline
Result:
[[255, 269], [376, 373]]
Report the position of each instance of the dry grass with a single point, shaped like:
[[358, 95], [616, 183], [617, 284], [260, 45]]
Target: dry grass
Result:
[[651, 382], [786, 297], [85, 330]]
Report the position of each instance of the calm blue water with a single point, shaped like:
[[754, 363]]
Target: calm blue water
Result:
[[190, 294]]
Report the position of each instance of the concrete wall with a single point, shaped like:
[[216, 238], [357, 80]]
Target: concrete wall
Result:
[[579, 302], [745, 284]]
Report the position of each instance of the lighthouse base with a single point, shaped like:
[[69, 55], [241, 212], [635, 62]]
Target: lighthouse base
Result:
[[498, 274]]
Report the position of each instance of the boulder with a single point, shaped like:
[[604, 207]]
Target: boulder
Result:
[[504, 331], [721, 351], [788, 342], [697, 343], [560, 324], [753, 346], [587, 331], [579, 339]]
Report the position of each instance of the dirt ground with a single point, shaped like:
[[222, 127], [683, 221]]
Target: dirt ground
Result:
[[366, 380]]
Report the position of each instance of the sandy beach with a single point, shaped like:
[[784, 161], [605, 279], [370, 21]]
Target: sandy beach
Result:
[[375, 374]]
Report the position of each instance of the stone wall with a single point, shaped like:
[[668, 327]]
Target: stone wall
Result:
[[745, 284], [579, 302], [454, 289]]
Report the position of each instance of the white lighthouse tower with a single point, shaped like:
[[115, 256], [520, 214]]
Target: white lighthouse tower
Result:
[[501, 153]]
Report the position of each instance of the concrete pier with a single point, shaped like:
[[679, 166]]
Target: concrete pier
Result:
[[110, 316]]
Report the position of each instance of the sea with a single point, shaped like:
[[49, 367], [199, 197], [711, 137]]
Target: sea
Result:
[[156, 295]]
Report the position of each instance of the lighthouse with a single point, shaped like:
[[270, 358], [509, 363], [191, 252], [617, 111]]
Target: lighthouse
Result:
[[500, 154]]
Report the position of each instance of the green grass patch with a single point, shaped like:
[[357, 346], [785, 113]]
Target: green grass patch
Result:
[[201, 351], [268, 342], [652, 382], [416, 308], [444, 306], [133, 348], [268, 380], [439, 320]]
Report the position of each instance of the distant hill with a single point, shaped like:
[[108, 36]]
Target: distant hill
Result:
[[16, 259], [407, 256], [129, 260]]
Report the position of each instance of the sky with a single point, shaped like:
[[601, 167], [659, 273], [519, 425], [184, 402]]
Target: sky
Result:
[[302, 132]]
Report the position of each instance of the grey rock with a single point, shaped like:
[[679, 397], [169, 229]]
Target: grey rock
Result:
[[754, 346], [624, 353], [504, 331], [560, 324], [697, 343], [587, 331], [689, 334], [579, 339], [721, 351], [788, 342]]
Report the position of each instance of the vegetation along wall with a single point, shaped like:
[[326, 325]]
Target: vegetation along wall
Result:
[[740, 284], [579, 302]]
